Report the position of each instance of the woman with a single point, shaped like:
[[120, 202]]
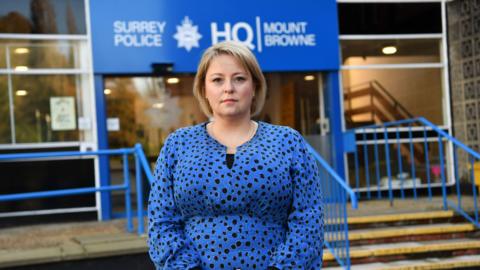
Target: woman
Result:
[[234, 193]]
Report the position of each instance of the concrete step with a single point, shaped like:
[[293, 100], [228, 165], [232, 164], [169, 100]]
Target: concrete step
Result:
[[400, 217], [402, 231], [408, 248], [470, 261]]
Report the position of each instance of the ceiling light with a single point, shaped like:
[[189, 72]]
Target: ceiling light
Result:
[[309, 78], [21, 93], [158, 105], [389, 50], [173, 80], [21, 50], [107, 91], [21, 68]]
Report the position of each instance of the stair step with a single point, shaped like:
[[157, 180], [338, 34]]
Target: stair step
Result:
[[441, 228], [407, 248], [425, 264], [400, 217]]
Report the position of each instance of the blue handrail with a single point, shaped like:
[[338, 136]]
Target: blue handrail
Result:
[[141, 167], [334, 187], [464, 169], [334, 192]]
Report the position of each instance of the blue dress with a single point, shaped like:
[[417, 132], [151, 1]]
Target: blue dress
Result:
[[266, 210]]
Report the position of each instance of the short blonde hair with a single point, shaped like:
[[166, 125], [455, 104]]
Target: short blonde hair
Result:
[[249, 62]]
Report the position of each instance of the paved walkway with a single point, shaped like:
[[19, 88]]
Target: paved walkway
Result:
[[29, 245]]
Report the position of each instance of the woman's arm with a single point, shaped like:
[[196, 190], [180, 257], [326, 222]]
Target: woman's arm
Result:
[[168, 247], [303, 246]]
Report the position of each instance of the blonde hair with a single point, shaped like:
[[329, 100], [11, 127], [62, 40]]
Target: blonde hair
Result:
[[249, 62]]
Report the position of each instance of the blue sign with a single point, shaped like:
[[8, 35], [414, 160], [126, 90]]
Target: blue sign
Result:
[[128, 36]]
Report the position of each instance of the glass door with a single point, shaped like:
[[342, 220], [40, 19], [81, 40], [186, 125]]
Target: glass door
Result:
[[146, 110]]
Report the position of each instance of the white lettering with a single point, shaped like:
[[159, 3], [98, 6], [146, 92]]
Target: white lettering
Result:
[[147, 40], [118, 26], [216, 34], [248, 41], [285, 27], [150, 27], [289, 40], [161, 26]]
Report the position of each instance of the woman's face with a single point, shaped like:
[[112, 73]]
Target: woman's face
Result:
[[229, 87]]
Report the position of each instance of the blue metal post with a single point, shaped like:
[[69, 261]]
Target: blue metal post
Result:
[[377, 165], [138, 171], [366, 163], [128, 203], [442, 168], [357, 174], [474, 188], [334, 112], [400, 165], [412, 162], [427, 162], [104, 164], [457, 180], [389, 171]]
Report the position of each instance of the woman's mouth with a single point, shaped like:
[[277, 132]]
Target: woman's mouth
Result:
[[229, 100]]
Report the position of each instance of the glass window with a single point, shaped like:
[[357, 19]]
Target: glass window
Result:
[[42, 54], [3, 59], [389, 18], [148, 109], [5, 132], [392, 51], [45, 108], [293, 100], [42, 17], [383, 95]]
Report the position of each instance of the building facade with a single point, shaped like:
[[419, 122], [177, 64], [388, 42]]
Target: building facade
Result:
[[86, 75]]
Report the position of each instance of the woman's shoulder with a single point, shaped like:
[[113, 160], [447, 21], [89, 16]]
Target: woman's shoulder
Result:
[[186, 132]]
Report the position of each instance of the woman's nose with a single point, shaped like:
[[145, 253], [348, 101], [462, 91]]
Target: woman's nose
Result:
[[228, 87]]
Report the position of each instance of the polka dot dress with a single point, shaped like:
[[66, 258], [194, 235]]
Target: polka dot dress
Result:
[[265, 211]]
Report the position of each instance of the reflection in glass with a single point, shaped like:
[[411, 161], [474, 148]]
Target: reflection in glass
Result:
[[5, 132], [149, 109], [33, 108], [3, 59], [293, 100], [42, 16], [378, 95], [391, 51], [42, 54]]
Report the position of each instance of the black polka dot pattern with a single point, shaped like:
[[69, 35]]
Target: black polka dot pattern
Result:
[[265, 210]]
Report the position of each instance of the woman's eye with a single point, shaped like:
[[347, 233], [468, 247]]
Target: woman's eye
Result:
[[240, 79], [216, 80]]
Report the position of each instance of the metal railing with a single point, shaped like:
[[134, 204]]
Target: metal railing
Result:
[[141, 166], [386, 165], [335, 193], [381, 105]]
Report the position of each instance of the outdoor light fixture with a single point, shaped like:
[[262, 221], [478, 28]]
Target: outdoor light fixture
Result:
[[21, 50], [21, 68], [309, 78], [21, 93], [158, 105], [389, 50], [107, 91], [173, 80]]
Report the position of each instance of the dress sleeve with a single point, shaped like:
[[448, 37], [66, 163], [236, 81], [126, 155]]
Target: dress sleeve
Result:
[[169, 249], [303, 246]]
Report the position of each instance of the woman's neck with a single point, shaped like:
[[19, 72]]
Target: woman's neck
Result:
[[231, 125], [232, 133]]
